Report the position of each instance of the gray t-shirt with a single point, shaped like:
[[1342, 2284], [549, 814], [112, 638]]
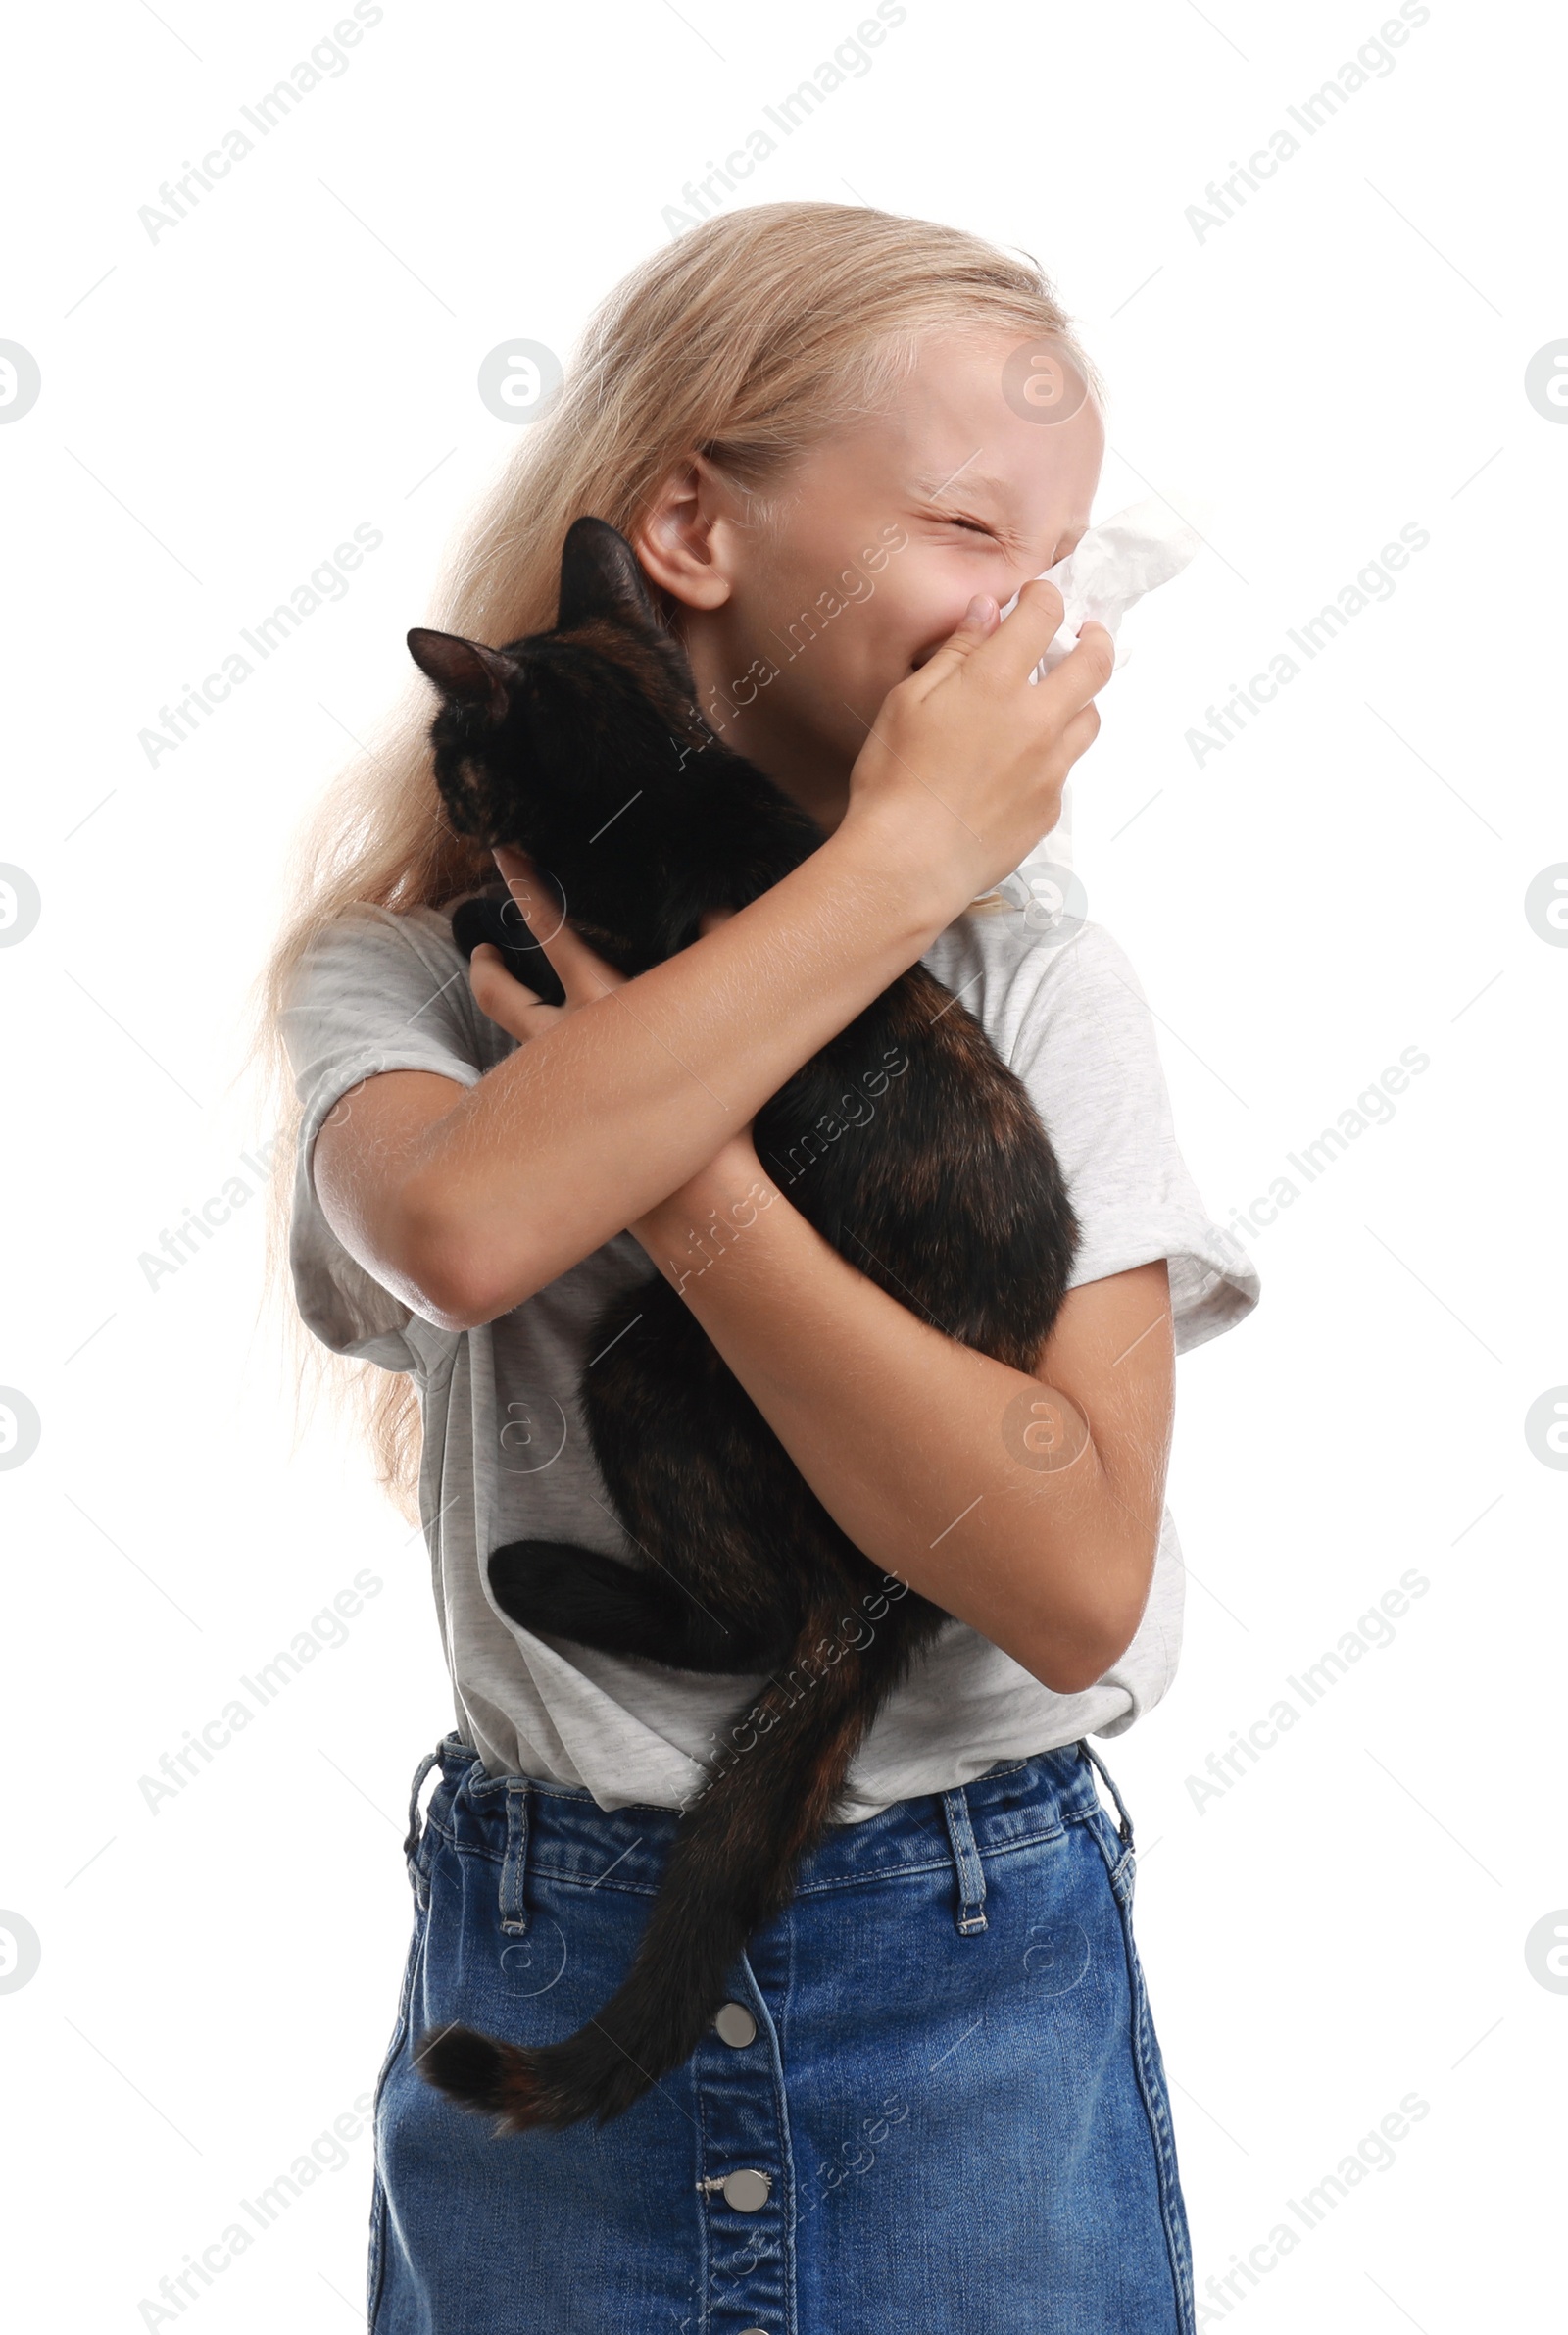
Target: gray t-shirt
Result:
[[505, 1456]]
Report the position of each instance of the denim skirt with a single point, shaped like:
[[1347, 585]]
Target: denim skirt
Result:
[[935, 2071]]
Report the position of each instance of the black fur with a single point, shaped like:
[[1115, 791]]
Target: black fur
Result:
[[497, 920], [905, 1142]]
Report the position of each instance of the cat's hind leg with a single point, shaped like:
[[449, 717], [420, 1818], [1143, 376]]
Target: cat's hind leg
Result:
[[563, 1591]]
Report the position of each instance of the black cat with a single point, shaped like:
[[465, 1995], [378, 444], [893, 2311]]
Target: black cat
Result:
[[905, 1142]]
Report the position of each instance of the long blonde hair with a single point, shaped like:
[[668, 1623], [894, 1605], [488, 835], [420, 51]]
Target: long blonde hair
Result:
[[749, 339]]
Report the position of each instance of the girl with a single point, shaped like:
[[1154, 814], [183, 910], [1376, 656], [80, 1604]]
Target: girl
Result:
[[838, 441]]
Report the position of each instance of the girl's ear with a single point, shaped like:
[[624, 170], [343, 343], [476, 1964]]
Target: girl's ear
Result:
[[676, 540], [466, 672], [600, 577]]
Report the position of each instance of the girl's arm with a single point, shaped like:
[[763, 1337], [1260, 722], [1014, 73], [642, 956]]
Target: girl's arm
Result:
[[1028, 1506], [466, 1207]]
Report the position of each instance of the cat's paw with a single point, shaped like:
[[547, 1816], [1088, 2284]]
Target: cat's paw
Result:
[[497, 921]]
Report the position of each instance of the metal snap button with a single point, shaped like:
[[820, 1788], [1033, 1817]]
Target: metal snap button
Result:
[[735, 2026], [748, 2191]]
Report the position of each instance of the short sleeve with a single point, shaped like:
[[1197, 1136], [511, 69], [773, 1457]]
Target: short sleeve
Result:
[[375, 991], [1086, 1049]]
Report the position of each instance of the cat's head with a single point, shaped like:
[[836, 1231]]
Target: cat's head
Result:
[[584, 747]]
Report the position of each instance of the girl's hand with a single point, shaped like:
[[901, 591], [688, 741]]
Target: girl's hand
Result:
[[966, 762], [584, 975]]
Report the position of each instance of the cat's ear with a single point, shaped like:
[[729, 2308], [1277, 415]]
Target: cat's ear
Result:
[[600, 577], [466, 672]]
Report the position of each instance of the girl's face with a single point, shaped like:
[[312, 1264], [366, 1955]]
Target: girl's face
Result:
[[797, 633]]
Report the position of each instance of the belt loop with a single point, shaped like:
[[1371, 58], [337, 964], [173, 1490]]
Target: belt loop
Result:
[[411, 1843], [513, 1913], [1097, 1761], [971, 1912]]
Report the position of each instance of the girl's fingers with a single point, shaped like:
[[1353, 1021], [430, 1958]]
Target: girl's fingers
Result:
[[1081, 675], [1018, 646], [508, 1003], [1080, 733], [536, 901], [583, 974], [1008, 653], [978, 622]]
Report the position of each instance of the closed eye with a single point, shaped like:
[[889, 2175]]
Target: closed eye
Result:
[[974, 525]]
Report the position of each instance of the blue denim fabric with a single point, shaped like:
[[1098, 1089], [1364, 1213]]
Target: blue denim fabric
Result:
[[954, 2087]]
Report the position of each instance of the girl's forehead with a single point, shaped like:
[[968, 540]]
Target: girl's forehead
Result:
[[955, 434], [979, 485], [1036, 380]]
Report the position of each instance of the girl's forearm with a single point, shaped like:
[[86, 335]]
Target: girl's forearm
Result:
[[982, 1487], [577, 1133]]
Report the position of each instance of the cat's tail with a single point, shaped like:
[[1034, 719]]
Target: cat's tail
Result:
[[731, 1869]]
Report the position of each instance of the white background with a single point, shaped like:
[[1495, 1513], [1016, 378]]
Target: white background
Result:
[[1345, 1923]]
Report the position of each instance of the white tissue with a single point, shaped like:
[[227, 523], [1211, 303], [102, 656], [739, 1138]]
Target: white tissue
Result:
[[1116, 564], [1111, 566]]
